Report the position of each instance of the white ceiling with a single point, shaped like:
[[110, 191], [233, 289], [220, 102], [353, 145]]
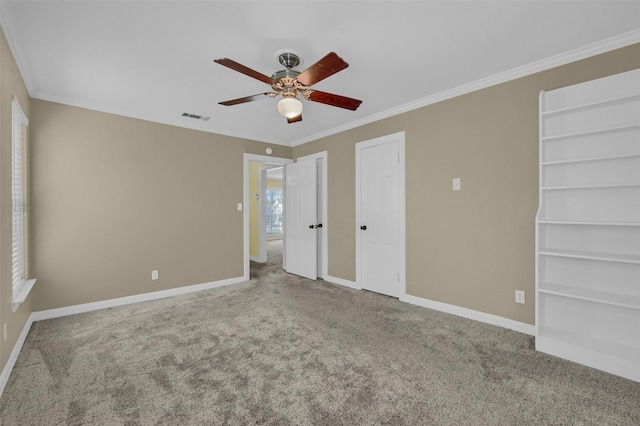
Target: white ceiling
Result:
[[154, 59]]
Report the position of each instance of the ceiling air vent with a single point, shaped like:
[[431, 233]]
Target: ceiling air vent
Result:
[[195, 116]]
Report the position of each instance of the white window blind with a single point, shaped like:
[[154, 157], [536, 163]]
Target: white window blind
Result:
[[20, 284]]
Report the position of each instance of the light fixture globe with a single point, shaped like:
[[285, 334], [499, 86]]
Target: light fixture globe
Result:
[[290, 107]]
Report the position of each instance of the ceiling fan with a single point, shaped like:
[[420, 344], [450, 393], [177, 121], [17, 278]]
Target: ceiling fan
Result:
[[290, 84]]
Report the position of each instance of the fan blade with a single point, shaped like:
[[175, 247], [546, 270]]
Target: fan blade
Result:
[[334, 100], [230, 63], [322, 69], [294, 119], [248, 99]]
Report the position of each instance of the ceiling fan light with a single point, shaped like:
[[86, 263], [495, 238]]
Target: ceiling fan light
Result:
[[289, 107]]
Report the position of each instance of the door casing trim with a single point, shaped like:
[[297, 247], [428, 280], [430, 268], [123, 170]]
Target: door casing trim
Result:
[[247, 159]]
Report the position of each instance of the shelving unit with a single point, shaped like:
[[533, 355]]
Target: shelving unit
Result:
[[588, 224]]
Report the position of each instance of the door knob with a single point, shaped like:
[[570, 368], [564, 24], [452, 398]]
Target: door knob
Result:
[[363, 227], [319, 225], [312, 227]]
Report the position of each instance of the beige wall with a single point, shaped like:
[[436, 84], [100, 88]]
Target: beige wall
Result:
[[11, 84], [116, 197], [254, 208], [274, 183], [475, 247]]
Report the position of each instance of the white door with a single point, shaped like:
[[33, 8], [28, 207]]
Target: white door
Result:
[[321, 220], [301, 219], [321, 234], [379, 225]]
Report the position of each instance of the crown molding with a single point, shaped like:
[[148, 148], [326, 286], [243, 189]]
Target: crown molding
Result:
[[587, 51]]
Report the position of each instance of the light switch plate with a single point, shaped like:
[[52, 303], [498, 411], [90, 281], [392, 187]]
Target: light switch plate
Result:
[[239, 207], [456, 184]]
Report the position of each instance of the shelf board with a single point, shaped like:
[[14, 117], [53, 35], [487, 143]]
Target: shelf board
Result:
[[614, 185], [590, 132], [604, 102], [586, 160], [597, 296], [610, 347], [577, 254], [587, 222]]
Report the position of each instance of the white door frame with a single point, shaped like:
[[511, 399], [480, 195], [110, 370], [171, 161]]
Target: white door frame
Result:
[[323, 268], [402, 255], [262, 217], [248, 158]]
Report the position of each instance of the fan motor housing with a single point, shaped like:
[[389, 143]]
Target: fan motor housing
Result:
[[288, 73], [289, 59]]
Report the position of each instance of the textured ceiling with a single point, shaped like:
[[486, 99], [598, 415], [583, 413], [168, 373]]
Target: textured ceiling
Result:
[[154, 59]]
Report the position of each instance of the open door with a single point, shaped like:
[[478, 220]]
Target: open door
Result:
[[301, 220]]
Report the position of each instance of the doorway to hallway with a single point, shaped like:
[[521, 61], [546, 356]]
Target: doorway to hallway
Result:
[[273, 263], [251, 209]]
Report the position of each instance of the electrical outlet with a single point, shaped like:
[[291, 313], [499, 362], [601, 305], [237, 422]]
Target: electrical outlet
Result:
[[520, 296], [4, 332], [154, 274], [456, 185]]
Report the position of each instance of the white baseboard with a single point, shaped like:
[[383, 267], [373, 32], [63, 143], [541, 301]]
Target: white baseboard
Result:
[[145, 297], [340, 281], [471, 314], [451, 309], [103, 304], [87, 307], [11, 362]]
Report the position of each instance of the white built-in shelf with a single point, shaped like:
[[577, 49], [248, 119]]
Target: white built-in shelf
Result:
[[586, 160], [587, 223], [626, 350], [578, 254], [589, 311], [600, 103], [622, 300], [607, 186], [590, 132]]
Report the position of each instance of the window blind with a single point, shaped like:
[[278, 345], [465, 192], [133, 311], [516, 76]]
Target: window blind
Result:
[[18, 202]]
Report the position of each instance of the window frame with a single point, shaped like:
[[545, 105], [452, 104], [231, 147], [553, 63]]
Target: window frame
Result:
[[21, 285], [280, 189]]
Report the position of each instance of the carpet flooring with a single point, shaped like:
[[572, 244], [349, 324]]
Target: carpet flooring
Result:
[[282, 350]]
